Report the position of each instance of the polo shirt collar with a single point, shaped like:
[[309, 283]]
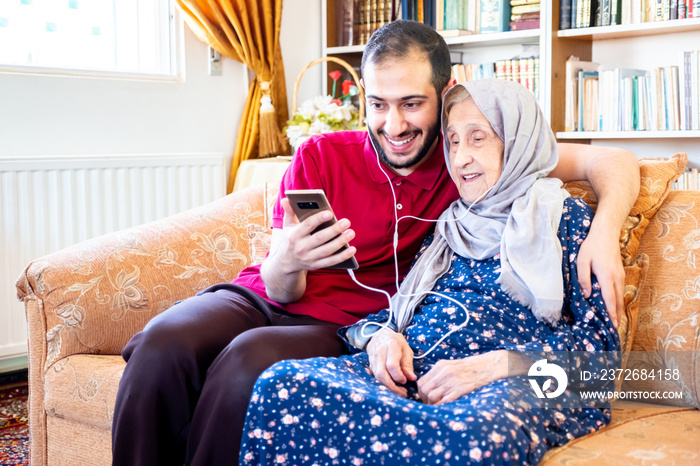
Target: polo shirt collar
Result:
[[426, 177]]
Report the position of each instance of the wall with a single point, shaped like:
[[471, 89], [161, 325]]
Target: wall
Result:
[[51, 115], [63, 116], [301, 43]]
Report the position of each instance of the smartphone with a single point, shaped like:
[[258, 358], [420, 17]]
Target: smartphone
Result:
[[307, 202]]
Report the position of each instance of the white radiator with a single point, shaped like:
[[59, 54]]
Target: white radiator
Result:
[[49, 203]]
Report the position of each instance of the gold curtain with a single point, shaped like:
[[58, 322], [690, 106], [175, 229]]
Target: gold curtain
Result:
[[248, 31]]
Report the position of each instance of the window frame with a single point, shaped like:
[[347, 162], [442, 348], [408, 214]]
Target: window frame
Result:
[[177, 61]]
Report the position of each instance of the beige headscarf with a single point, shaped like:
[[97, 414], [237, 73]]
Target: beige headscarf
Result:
[[518, 218]]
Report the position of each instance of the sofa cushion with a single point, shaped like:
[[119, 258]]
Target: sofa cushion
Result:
[[635, 276], [657, 176], [668, 332], [83, 389], [639, 434]]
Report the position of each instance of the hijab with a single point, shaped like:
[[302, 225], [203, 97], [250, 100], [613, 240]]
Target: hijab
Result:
[[518, 218]]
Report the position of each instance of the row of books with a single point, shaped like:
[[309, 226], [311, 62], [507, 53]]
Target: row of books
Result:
[[356, 20], [454, 17], [689, 179], [524, 70], [588, 13], [624, 99]]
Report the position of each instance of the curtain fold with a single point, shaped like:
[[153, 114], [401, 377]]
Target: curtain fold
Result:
[[248, 31]]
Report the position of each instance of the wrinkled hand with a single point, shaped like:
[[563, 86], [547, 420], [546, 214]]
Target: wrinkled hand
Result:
[[451, 379], [300, 250], [391, 360], [600, 255]]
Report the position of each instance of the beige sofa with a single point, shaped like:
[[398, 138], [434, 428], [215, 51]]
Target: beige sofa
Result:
[[84, 303]]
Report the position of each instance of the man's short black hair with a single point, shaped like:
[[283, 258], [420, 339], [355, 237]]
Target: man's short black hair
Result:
[[400, 38]]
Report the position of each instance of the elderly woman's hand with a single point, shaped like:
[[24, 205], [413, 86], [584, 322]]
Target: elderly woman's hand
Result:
[[451, 379], [600, 255], [391, 360]]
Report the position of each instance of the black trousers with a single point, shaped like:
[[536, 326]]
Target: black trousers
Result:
[[191, 371]]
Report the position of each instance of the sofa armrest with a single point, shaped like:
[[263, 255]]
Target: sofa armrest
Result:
[[91, 298]]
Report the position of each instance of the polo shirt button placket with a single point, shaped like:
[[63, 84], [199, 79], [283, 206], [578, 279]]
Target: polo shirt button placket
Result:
[[399, 206]]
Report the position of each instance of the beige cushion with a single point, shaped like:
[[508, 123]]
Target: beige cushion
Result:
[[668, 333]]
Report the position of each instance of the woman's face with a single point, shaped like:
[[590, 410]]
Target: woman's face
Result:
[[476, 151]]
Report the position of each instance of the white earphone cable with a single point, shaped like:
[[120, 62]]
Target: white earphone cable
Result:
[[396, 267]]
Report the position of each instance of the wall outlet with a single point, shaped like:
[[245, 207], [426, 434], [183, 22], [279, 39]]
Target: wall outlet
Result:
[[215, 66]]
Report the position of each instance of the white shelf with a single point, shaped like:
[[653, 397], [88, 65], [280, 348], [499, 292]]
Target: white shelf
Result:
[[628, 135], [485, 40], [632, 30], [346, 49], [496, 38]]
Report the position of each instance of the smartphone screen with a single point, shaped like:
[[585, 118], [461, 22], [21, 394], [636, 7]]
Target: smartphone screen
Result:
[[307, 202]]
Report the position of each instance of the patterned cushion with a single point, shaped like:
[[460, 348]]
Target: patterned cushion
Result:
[[668, 334], [640, 435], [635, 276]]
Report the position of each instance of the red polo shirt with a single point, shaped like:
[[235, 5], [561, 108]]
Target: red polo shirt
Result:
[[345, 166]]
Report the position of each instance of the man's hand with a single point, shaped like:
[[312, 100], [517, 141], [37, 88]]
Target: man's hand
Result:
[[451, 379], [302, 250], [600, 255], [391, 360], [294, 251]]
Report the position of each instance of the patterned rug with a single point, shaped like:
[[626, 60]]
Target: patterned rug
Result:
[[14, 429]]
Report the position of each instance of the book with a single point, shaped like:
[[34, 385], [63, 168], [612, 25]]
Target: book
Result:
[[573, 66], [494, 15], [454, 32], [615, 12], [675, 98], [523, 24], [564, 14], [624, 93], [585, 100], [695, 91], [344, 15], [519, 9]]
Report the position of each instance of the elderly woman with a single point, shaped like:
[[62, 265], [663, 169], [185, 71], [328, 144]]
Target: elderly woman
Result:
[[448, 374]]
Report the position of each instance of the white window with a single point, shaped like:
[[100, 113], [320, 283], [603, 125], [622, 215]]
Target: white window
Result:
[[96, 37]]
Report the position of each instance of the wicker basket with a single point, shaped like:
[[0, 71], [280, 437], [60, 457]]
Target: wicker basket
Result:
[[344, 64]]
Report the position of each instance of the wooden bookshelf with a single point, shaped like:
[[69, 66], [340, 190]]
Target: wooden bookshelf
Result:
[[633, 30], [664, 32], [555, 47], [628, 135], [475, 48]]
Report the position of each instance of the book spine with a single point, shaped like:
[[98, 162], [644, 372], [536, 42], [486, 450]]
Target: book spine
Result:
[[695, 90], [493, 16], [565, 14], [605, 12], [537, 77]]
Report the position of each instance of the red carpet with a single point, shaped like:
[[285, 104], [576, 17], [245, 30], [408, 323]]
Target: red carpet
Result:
[[14, 430]]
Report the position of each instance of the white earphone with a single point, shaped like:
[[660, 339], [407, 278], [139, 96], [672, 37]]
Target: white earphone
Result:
[[396, 267]]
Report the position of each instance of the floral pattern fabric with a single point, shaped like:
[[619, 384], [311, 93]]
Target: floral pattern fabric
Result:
[[333, 411]]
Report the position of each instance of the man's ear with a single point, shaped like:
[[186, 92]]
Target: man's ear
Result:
[[449, 84], [362, 83]]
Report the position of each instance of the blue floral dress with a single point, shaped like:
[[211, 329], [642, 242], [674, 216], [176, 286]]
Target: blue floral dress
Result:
[[333, 411]]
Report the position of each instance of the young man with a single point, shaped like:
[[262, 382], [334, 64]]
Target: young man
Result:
[[190, 373]]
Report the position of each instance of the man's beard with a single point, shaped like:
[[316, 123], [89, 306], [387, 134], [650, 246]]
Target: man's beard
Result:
[[433, 133]]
